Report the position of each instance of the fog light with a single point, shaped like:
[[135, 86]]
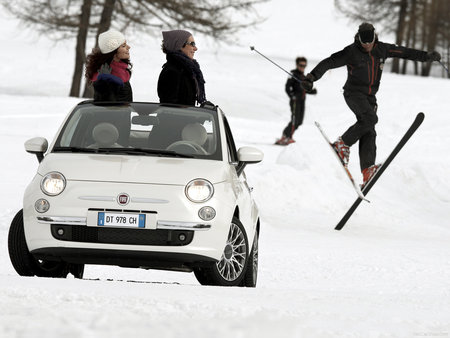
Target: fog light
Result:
[[60, 231], [41, 205], [182, 237], [207, 213]]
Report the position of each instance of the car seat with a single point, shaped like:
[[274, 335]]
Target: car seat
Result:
[[105, 135]]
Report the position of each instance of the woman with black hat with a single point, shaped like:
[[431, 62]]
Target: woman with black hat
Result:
[[364, 59], [181, 80]]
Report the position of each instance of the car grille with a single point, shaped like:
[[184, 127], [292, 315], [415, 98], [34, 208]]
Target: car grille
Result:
[[82, 233]]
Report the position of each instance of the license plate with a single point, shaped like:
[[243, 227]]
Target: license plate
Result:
[[121, 219]]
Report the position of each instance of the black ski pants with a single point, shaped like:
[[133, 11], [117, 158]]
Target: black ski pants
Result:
[[297, 115], [365, 109]]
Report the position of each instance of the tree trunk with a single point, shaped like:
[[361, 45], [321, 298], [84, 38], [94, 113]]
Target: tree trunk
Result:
[[399, 33], [436, 6], [105, 23], [80, 49], [410, 34]]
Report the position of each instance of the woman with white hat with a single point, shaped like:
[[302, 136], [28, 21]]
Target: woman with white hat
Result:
[[108, 68], [181, 80]]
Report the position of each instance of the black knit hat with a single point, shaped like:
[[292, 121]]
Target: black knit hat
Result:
[[175, 40], [366, 32]]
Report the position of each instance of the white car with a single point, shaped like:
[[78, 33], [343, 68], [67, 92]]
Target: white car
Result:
[[142, 185]]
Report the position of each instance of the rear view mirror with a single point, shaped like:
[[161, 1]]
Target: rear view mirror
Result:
[[145, 120], [37, 146], [248, 155]]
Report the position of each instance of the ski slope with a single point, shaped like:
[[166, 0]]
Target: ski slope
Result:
[[386, 274]]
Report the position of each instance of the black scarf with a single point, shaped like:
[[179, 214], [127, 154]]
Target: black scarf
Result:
[[192, 66]]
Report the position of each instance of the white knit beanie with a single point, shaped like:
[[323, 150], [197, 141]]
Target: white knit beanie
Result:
[[110, 40]]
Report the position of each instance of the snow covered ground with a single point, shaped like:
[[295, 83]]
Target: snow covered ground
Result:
[[386, 274]]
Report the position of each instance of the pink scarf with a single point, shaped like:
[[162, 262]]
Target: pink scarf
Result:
[[118, 69]]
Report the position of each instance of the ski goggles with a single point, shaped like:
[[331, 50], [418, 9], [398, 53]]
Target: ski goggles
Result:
[[366, 37]]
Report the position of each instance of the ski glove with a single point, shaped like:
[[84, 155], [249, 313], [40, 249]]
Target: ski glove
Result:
[[433, 56], [307, 83], [104, 69]]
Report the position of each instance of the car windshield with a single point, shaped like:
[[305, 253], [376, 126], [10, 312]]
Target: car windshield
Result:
[[147, 129]]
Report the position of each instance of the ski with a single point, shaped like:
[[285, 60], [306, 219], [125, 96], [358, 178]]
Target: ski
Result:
[[417, 122], [347, 172]]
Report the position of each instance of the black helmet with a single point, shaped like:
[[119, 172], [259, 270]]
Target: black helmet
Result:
[[366, 33]]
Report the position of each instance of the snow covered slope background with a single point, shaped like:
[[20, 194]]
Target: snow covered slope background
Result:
[[386, 274]]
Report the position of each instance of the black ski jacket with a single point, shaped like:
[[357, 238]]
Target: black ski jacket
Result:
[[364, 69], [293, 88], [176, 83]]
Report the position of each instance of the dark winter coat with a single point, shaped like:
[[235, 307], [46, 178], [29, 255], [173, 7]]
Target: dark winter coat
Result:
[[177, 82], [293, 88], [106, 90], [365, 69], [115, 86]]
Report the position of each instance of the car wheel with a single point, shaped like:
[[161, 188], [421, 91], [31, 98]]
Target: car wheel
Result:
[[77, 270], [23, 261], [230, 269], [251, 273]]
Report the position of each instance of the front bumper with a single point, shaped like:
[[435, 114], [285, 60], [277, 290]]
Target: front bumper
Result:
[[174, 227]]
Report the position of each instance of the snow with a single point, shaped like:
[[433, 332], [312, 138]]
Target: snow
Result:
[[386, 274]]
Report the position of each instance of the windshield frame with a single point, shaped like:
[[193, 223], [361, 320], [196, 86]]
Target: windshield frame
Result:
[[64, 142]]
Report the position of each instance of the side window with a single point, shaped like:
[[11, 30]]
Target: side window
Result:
[[232, 153]]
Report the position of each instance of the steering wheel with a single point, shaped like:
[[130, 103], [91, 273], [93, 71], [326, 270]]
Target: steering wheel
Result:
[[186, 147]]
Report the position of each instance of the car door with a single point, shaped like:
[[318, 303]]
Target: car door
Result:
[[239, 182]]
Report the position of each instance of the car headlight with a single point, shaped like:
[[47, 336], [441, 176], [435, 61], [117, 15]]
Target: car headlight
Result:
[[53, 183], [199, 190]]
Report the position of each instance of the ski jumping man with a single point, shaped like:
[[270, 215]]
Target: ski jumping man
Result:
[[297, 96], [364, 59]]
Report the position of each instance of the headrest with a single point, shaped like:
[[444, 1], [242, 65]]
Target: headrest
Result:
[[194, 132], [105, 134]]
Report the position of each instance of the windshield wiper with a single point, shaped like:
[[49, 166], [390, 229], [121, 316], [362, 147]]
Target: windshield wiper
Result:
[[128, 151], [74, 149], [159, 152]]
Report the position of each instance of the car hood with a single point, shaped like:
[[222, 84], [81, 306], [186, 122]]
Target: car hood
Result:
[[132, 169]]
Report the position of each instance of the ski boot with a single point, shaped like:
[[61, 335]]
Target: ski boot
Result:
[[281, 141], [368, 173], [342, 150]]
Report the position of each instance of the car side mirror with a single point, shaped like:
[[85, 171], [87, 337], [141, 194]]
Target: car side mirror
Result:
[[248, 155], [37, 146]]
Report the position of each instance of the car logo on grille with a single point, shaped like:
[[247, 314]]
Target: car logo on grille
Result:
[[123, 199]]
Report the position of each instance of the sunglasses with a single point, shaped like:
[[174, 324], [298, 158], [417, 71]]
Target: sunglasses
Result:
[[192, 43], [302, 65], [365, 38]]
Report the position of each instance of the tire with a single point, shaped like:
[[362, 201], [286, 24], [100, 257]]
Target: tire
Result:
[[251, 273], [77, 270], [230, 269], [23, 261]]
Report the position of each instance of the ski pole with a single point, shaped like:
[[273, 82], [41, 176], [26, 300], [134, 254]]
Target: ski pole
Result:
[[445, 68], [284, 70]]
